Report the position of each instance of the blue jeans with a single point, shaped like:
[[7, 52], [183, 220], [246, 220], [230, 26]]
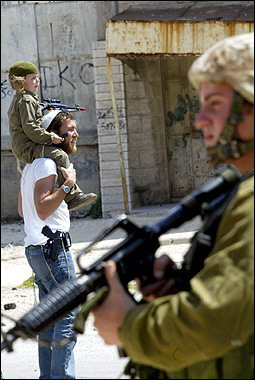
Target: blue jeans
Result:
[[54, 362]]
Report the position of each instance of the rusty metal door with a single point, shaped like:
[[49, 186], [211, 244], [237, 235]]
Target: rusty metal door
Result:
[[187, 161]]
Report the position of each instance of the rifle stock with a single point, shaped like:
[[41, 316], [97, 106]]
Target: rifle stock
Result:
[[134, 258]]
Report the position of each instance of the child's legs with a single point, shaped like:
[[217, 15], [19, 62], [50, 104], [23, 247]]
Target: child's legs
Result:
[[61, 158], [57, 154], [31, 153], [41, 151]]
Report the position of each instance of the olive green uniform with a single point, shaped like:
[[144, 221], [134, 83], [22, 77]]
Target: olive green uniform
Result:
[[205, 333], [29, 140]]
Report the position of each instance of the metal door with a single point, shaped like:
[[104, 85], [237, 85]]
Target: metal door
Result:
[[188, 165]]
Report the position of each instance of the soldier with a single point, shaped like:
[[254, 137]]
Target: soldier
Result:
[[206, 331]]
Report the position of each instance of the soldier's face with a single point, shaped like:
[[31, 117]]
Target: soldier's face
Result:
[[215, 100]]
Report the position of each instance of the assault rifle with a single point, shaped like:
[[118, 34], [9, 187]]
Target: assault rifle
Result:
[[54, 104], [134, 257]]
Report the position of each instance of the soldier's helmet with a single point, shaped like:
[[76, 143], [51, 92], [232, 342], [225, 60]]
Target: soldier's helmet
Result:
[[230, 61]]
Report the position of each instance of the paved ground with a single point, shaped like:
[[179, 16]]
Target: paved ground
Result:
[[94, 360]]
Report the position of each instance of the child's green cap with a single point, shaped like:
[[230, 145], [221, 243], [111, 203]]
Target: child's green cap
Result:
[[23, 68]]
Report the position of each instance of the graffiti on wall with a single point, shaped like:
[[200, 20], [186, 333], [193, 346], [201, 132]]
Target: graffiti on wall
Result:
[[110, 125], [105, 119], [193, 138], [85, 75], [183, 105], [6, 89], [108, 113]]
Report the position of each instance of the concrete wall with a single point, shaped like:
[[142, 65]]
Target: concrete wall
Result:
[[57, 37]]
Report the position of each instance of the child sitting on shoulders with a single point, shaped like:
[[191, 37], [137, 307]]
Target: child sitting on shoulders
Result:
[[29, 140]]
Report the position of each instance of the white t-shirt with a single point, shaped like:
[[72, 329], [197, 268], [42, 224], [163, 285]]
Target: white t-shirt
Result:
[[59, 220]]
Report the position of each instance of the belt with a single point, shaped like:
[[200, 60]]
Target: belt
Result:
[[64, 236], [56, 241]]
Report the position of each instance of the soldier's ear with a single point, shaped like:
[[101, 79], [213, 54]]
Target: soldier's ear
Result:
[[248, 108]]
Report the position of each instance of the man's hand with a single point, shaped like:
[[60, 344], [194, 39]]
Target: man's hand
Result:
[[110, 315], [162, 287]]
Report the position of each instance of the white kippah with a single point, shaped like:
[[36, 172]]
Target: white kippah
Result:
[[47, 119]]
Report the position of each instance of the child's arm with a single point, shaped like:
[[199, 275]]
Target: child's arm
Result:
[[57, 139], [31, 118]]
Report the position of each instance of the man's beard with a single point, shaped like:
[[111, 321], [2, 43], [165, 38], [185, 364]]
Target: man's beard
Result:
[[68, 147]]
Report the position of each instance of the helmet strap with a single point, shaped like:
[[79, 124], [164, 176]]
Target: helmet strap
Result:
[[229, 146]]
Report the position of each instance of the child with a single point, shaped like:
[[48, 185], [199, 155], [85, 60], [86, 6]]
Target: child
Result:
[[28, 138]]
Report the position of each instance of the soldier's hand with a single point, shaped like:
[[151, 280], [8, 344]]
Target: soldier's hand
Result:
[[110, 314], [164, 284]]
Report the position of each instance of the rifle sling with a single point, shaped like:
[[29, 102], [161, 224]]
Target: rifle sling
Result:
[[203, 241]]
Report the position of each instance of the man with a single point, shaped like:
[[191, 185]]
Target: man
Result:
[[41, 203], [207, 330]]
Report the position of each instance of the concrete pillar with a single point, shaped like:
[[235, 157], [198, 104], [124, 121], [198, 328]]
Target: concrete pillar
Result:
[[110, 175]]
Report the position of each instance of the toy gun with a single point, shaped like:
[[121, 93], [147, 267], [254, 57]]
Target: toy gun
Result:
[[134, 257], [54, 104]]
